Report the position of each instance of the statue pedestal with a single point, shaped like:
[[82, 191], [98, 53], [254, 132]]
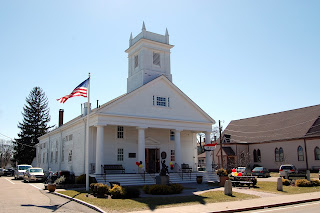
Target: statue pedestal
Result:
[[162, 179]]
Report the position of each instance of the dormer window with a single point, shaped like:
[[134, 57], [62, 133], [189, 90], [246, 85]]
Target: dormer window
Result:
[[136, 61], [156, 58]]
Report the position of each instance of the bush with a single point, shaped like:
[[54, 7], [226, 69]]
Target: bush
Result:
[[131, 192], [176, 188], [117, 192], [303, 183], [222, 172], [102, 190], [163, 189], [315, 182], [82, 179], [286, 182], [92, 188]]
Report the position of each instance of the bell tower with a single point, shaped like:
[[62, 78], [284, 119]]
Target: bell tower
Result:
[[149, 57]]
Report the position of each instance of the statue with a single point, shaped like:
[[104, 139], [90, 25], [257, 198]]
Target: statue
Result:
[[164, 170]]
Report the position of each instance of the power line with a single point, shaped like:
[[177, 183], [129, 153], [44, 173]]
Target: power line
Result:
[[14, 141]]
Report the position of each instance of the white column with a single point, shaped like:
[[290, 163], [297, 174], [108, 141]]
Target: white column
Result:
[[177, 147], [99, 149], [208, 154], [141, 146]]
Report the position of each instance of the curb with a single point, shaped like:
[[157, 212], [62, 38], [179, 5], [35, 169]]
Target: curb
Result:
[[268, 206], [80, 201]]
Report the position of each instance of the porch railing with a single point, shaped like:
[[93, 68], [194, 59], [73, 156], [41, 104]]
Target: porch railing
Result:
[[142, 173]]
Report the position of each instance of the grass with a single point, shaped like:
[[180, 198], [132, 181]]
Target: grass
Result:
[[272, 187], [125, 205]]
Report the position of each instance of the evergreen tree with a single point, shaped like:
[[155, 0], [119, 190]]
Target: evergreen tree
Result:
[[35, 124]]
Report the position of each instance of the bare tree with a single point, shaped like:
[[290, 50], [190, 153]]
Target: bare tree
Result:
[[6, 152]]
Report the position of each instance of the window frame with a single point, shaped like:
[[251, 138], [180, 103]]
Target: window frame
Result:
[[120, 154], [153, 59], [316, 153], [120, 132], [300, 153]]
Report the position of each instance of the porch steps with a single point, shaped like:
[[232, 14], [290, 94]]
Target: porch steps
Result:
[[136, 179], [126, 179]]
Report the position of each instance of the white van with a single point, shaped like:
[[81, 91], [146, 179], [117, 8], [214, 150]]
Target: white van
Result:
[[20, 170]]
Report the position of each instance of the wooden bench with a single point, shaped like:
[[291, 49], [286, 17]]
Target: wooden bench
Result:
[[113, 169], [185, 168], [243, 180]]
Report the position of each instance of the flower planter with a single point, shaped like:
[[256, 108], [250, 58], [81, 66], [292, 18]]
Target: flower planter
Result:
[[199, 179], [51, 187], [223, 180]]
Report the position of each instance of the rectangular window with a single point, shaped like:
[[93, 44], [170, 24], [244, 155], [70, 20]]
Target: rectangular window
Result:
[[132, 155], [70, 137], [156, 59], [44, 156], [51, 160], [136, 61], [161, 101], [120, 132], [70, 156], [67, 138], [172, 138], [120, 154], [62, 155], [172, 155]]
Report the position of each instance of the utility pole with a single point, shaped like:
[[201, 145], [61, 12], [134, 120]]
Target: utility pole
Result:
[[220, 145]]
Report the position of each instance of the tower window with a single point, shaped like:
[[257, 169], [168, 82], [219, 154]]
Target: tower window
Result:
[[136, 61], [156, 59]]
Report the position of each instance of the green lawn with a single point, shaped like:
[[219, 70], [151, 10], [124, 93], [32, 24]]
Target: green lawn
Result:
[[272, 187], [125, 205]]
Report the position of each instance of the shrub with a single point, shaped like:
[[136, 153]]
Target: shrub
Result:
[[117, 192], [102, 190], [176, 188], [315, 182], [92, 188], [82, 179], [222, 172], [131, 192], [286, 182], [146, 189], [303, 183]]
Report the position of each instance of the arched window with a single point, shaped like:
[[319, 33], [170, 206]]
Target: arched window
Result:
[[317, 153], [255, 156], [300, 154], [281, 155], [276, 155], [258, 155]]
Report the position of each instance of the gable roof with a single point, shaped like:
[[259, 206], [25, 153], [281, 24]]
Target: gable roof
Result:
[[161, 77], [292, 124]]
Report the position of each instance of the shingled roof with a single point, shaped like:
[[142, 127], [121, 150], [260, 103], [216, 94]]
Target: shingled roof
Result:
[[292, 124]]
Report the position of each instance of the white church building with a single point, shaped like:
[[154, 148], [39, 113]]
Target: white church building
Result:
[[152, 122]]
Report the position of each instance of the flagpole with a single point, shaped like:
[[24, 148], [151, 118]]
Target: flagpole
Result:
[[87, 139]]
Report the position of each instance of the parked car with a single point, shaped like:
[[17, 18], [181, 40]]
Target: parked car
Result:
[[34, 174], [319, 174], [20, 170], [287, 168], [8, 172], [244, 171], [260, 172], [1, 172]]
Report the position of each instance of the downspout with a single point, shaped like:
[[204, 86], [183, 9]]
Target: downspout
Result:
[[305, 151]]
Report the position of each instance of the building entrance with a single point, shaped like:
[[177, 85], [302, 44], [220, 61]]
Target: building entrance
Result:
[[152, 160]]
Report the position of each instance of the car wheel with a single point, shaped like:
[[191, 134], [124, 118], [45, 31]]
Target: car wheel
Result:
[[24, 180]]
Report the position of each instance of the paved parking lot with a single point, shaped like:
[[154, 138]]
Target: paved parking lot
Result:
[[17, 196]]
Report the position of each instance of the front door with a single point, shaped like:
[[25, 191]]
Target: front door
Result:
[[152, 160]]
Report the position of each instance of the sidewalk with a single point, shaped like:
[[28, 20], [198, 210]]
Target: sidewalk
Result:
[[265, 200]]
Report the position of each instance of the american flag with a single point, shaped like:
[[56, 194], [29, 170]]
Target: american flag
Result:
[[80, 90]]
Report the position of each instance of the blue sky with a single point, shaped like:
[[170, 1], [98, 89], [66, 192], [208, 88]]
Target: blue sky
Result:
[[235, 59]]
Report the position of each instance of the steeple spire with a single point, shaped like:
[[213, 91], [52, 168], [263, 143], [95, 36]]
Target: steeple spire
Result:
[[143, 27]]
